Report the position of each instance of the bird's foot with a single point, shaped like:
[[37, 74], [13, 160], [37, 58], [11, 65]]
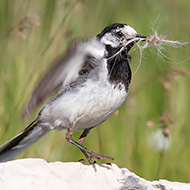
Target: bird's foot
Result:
[[96, 156]]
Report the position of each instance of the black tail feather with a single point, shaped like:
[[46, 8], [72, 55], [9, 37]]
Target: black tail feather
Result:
[[20, 142]]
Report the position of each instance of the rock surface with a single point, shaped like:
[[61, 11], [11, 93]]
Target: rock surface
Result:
[[30, 174]]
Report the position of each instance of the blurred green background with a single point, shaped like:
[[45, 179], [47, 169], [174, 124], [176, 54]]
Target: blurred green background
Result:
[[33, 33]]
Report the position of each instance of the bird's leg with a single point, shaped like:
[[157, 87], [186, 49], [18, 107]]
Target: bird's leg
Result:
[[80, 141], [69, 138], [83, 136]]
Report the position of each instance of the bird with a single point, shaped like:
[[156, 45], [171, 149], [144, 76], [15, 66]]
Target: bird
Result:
[[92, 81]]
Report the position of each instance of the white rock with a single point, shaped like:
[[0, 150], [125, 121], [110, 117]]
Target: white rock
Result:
[[37, 174]]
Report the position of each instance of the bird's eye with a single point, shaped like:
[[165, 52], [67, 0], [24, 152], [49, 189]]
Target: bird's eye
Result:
[[119, 34], [83, 72]]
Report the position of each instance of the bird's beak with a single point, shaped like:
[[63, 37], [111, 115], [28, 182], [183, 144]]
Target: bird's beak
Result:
[[141, 38], [132, 41]]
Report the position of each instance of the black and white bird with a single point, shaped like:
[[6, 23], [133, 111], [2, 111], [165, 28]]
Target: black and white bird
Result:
[[92, 78]]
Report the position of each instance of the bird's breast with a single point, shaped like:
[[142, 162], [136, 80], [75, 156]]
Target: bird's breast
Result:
[[104, 100], [96, 102]]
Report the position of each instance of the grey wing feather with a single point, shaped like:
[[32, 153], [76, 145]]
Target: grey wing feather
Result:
[[59, 75]]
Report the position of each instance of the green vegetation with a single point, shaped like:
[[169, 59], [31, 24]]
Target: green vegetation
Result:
[[33, 33]]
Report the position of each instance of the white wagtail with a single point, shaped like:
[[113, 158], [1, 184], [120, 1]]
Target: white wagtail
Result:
[[93, 79]]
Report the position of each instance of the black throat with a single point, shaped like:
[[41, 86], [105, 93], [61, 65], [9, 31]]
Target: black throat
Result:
[[118, 67]]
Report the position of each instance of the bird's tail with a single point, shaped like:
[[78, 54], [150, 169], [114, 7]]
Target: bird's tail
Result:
[[20, 142]]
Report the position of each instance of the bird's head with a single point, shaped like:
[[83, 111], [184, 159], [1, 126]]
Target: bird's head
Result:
[[120, 36]]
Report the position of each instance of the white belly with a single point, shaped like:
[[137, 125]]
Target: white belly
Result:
[[90, 106], [96, 108]]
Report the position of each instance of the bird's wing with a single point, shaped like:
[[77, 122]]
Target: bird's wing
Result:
[[62, 73]]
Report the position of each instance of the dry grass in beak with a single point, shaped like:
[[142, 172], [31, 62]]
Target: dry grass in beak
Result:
[[157, 41]]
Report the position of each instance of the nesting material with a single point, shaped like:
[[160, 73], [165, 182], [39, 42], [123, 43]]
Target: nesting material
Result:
[[157, 41]]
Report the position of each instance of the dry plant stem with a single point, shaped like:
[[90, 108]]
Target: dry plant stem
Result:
[[157, 41]]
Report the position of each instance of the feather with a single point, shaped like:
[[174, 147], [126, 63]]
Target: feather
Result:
[[20, 142]]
